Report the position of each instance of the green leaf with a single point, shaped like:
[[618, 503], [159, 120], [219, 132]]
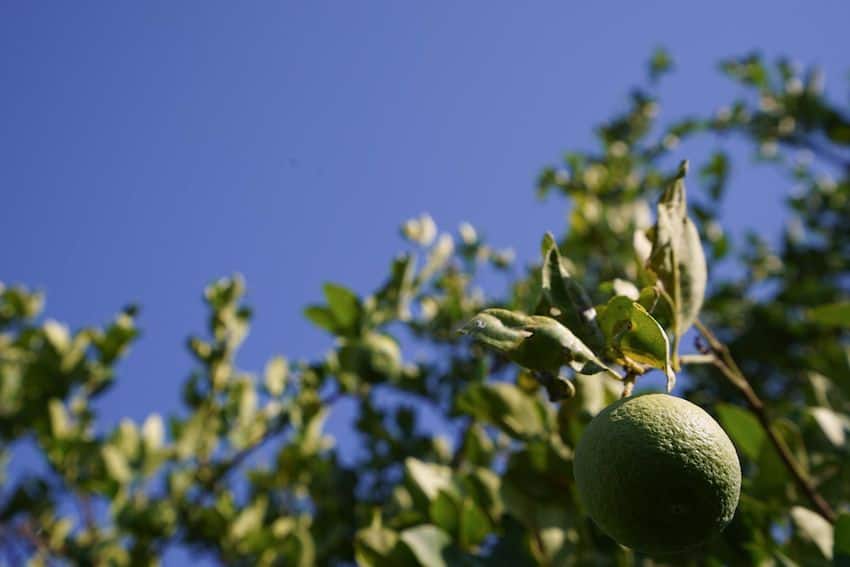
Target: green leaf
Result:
[[250, 519], [813, 528], [658, 305], [526, 499], [374, 545], [438, 257], [153, 432], [659, 64], [833, 424], [841, 541], [393, 299], [771, 479], [832, 315], [444, 512], [374, 358], [57, 335], [429, 544], [276, 373], [116, 464], [499, 328], [625, 287], [311, 439], [573, 305], [428, 478], [478, 448], [483, 486], [534, 342], [474, 524], [505, 406], [632, 333], [345, 307], [743, 428], [321, 317], [677, 258], [60, 425]]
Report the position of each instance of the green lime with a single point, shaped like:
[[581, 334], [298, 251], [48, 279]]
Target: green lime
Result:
[[657, 473]]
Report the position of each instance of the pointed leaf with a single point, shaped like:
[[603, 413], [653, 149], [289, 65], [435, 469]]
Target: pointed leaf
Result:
[[394, 297], [677, 258], [474, 524], [428, 478], [444, 512], [574, 307], [60, 425], [345, 307], [657, 305], [276, 372], [322, 317], [438, 257], [547, 332], [374, 545], [429, 545], [535, 342], [833, 424], [116, 464], [499, 328], [812, 527]]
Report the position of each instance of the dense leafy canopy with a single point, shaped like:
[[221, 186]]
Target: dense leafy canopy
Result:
[[756, 327]]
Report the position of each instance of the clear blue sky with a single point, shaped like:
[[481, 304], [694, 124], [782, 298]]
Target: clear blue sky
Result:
[[149, 147]]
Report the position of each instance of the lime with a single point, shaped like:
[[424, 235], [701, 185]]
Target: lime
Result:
[[657, 473]]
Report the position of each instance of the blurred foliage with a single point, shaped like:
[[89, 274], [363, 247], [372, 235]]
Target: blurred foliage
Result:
[[247, 474]]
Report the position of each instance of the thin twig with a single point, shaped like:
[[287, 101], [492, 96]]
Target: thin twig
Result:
[[724, 361], [697, 359], [86, 511]]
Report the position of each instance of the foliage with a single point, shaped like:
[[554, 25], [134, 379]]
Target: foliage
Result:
[[248, 475]]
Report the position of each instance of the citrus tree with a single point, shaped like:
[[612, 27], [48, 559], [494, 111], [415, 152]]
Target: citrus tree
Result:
[[644, 280]]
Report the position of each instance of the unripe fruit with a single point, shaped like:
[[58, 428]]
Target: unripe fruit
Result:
[[657, 473]]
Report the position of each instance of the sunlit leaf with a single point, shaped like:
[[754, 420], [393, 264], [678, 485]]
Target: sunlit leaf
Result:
[[812, 527], [428, 478], [677, 258], [276, 373], [374, 545], [345, 307], [833, 424], [632, 333], [429, 545]]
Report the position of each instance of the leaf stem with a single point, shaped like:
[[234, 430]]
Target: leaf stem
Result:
[[724, 362]]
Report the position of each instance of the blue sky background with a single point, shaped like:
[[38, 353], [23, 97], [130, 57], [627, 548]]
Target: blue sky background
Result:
[[147, 148]]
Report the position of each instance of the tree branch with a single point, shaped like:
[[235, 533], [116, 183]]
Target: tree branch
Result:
[[726, 364]]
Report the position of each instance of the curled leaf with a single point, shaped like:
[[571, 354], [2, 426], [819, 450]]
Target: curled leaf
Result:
[[534, 342], [633, 335], [563, 292], [677, 259]]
